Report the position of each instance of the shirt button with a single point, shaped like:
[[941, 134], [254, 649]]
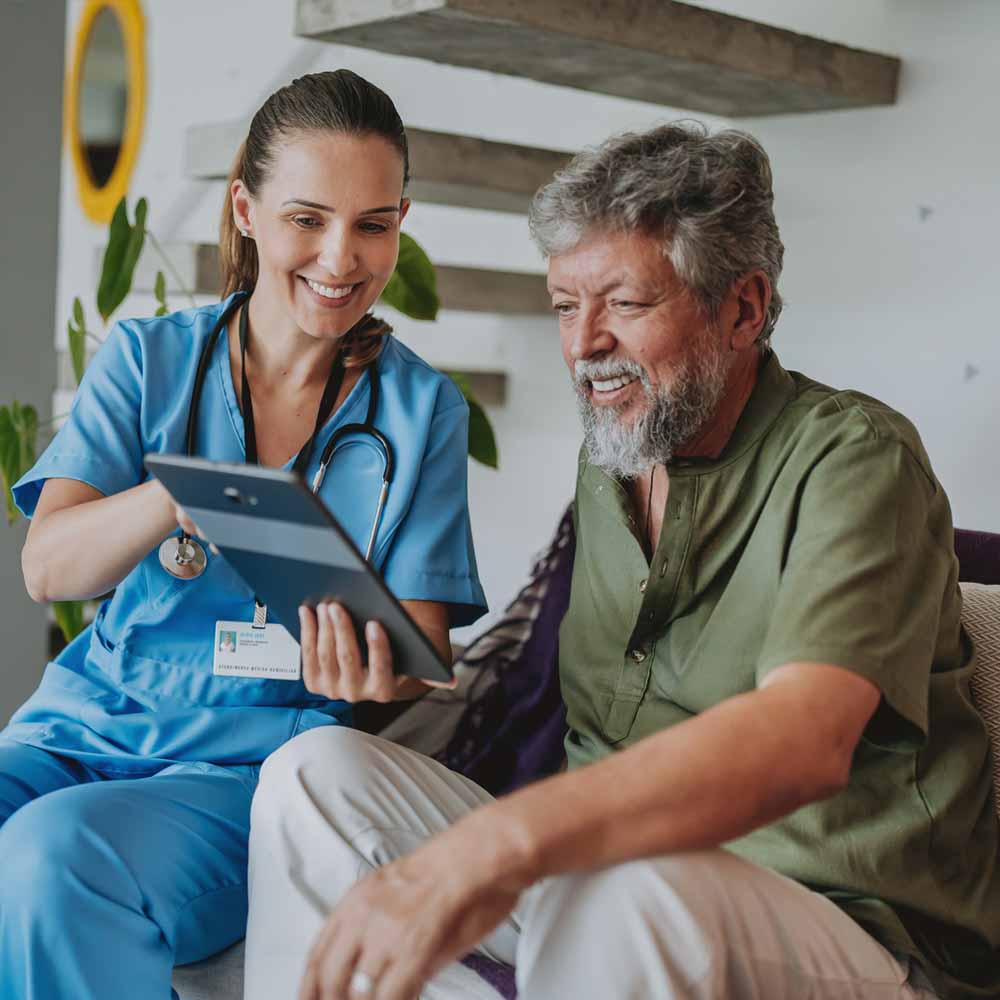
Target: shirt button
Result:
[[663, 568], [638, 655], [642, 586]]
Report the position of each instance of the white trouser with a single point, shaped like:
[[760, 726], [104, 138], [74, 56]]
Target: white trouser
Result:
[[334, 803]]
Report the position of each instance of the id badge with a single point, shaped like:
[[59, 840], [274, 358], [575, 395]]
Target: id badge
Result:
[[245, 650]]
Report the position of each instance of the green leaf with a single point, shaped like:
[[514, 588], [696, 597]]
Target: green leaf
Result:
[[160, 291], [77, 330], [114, 254], [8, 460], [120, 257], [69, 618], [412, 289], [482, 441], [18, 435], [462, 381]]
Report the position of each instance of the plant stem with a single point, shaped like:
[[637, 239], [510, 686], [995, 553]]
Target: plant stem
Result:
[[170, 267], [52, 420]]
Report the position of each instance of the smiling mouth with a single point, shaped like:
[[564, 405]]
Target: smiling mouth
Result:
[[331, 291], [612, 384]]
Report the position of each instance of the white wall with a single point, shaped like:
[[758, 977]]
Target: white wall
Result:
[[31, 82], [889, 218], [882, 294]]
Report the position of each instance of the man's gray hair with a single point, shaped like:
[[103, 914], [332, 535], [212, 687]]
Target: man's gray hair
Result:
[[708, 197]]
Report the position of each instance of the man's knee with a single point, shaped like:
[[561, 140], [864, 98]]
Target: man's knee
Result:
[[323, 764], [689, 886], [663, 914]]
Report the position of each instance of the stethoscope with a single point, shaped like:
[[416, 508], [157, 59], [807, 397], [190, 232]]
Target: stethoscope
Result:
[[183, 556]]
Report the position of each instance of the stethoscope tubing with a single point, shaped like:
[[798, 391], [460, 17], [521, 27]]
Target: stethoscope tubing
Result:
[[367, 428]]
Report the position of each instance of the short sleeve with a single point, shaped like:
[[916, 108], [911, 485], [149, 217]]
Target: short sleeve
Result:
[[864, 578], [100, 441], [432, 556]]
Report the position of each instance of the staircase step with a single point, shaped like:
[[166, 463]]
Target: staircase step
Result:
[[445, 169], [471, 289], [488, 387], [647, 50], [475, 289]]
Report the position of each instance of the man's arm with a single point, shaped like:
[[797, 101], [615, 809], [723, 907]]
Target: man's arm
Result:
[[737, 766], [740, 765]]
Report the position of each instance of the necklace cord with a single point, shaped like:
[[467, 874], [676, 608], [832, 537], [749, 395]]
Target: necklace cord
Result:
[[649, 511], [333, 383]]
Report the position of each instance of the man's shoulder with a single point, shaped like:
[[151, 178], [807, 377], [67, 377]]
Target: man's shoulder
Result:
[[820, 418]]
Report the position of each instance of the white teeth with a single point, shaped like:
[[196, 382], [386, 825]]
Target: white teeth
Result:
[[330, 293], [609, 385]]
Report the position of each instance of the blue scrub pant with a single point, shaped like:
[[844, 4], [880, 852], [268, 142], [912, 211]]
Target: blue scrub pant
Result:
[[106, 883]]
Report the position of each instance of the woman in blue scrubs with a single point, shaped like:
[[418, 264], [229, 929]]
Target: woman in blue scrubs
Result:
[[126, 779]]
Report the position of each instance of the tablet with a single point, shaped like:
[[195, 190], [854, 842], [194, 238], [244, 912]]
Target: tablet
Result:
[[288, 547]]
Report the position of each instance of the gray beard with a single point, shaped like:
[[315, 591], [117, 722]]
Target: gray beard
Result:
[[673, 415]]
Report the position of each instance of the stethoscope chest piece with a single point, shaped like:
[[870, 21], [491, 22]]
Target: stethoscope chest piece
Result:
[[183, 557]]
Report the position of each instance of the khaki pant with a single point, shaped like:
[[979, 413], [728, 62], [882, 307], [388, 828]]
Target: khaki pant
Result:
[[334, 803]]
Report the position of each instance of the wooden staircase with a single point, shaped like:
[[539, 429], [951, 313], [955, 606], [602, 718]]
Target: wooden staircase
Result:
[[657, 51], [647, 50], [445, 169]]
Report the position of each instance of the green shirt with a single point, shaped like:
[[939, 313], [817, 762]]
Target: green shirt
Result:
[[819, 534]]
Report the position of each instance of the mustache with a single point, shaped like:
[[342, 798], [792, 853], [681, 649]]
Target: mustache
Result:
[[585, 372]]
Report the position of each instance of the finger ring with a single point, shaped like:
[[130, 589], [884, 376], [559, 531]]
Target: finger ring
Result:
[[362, 984]]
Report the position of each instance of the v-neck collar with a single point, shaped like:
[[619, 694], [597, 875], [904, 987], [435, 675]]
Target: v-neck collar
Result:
[[357, 398], [774, 389]]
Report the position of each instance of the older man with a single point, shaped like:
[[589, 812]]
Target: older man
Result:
[[778, 787]]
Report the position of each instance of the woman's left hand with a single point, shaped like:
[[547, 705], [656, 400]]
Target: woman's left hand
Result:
[[331, 658]]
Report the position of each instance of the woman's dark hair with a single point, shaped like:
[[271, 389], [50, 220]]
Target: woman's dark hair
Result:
[[337, 101]]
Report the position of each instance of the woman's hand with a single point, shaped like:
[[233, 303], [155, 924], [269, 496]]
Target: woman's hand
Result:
[[331, 659], [186, 524], [189, 527]]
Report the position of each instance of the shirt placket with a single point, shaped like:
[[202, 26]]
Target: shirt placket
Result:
[[659, 590]]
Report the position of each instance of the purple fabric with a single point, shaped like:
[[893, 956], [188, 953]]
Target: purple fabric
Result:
[[525, 710], [498, 975], [978, 556], [512, 733]]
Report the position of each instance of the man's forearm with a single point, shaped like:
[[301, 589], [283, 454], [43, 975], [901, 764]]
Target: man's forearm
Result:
[[697, 785]]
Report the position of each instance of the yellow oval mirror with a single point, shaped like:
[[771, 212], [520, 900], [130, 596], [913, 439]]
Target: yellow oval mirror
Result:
[[104, 102]]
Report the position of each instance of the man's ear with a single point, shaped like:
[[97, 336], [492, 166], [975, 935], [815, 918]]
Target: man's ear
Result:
[[751, 296]]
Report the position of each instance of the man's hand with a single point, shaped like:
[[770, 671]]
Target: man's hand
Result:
[[395, 929]]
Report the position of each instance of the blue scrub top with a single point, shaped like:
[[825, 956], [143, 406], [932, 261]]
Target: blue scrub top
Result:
[[135, 691]]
